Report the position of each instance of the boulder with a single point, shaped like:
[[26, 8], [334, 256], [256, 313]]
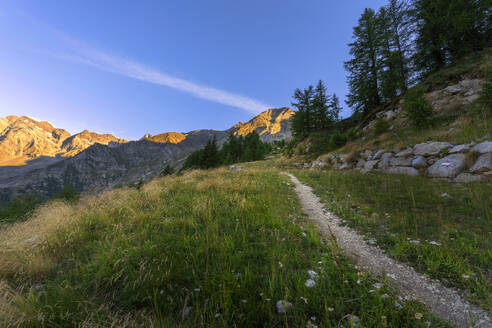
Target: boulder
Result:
[[360, 163], [400, 161], [405, 153], [484, 147], [347, 166], [403, 170], [235, 168], [369, 166], [448, 167], [431, 148], [467, 177], [459, 149], [483, 164], [318, 164], [385, 160], [366, 154], [419, 162], [378, 154]]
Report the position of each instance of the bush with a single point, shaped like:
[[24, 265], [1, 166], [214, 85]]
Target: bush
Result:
[[68, 193], [168, 170], [19, 208], [337, 140], [418, 109], [381, 126]]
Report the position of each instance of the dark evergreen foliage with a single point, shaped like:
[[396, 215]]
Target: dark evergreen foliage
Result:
[[235, 150], [411, 38], [168, 170], [418, 109], [316, 110], [19, 208]]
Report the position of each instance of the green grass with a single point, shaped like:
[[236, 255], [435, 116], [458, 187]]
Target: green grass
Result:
[[404, 214], [227, 245]]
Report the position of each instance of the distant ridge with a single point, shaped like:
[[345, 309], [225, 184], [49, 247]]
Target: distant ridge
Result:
[[37, 158]]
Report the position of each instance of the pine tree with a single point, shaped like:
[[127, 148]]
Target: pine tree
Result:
[[448, 30], [364, 67], [302, 122], [210, 157], [321, 120], [334, 109], [394, 33]]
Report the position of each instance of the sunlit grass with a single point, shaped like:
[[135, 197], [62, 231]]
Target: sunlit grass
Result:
[[209, 248], [442, 229]]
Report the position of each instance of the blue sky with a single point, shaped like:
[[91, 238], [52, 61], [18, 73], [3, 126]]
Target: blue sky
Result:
[[136, 67]]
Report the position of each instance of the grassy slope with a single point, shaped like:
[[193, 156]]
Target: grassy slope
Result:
[[227, 244], [403, 214]]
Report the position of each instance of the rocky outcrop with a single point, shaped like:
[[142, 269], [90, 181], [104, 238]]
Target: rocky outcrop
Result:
[[272, 125], [83, 140], [440, 160], [24, 139]]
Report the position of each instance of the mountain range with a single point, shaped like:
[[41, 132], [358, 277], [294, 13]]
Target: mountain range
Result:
[[36, 157]]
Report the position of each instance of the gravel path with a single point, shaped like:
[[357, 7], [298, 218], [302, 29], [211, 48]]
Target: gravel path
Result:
[[444, 302]]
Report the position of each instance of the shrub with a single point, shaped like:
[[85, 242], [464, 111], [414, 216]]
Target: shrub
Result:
[[168, 170], [337, 140], [68, 193], [381, 126], [418, 109]]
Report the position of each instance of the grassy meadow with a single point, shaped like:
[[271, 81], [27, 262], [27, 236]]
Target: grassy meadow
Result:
[[441, 228], [208, 248]]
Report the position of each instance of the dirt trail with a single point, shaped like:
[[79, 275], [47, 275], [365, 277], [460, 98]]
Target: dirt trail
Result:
[[444, 302]]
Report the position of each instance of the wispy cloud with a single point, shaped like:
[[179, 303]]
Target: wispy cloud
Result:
[[89, 55]]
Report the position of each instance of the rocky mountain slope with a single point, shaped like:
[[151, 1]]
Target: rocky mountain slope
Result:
[[23, 139], [90, 161]]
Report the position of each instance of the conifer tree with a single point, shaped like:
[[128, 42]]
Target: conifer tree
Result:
[[364, 67], [334, 108], [321, 120]]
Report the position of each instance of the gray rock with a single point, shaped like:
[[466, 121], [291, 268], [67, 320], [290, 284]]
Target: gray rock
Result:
[[378, 154], [318, 163], [459, 149], [483, 164], [369, 166], [235, 168], [283, 306], [431, 148], [419, 162], [403, 170], [484, 147], [385, 160], [448, 167], [347, 166], [400, 161], [366, 154], [467, 177], [361, 163], [405, 153], [453, 89]]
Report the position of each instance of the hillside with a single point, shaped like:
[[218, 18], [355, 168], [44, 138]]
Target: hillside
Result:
[[210, 248], [93, 162], [455, 146]]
